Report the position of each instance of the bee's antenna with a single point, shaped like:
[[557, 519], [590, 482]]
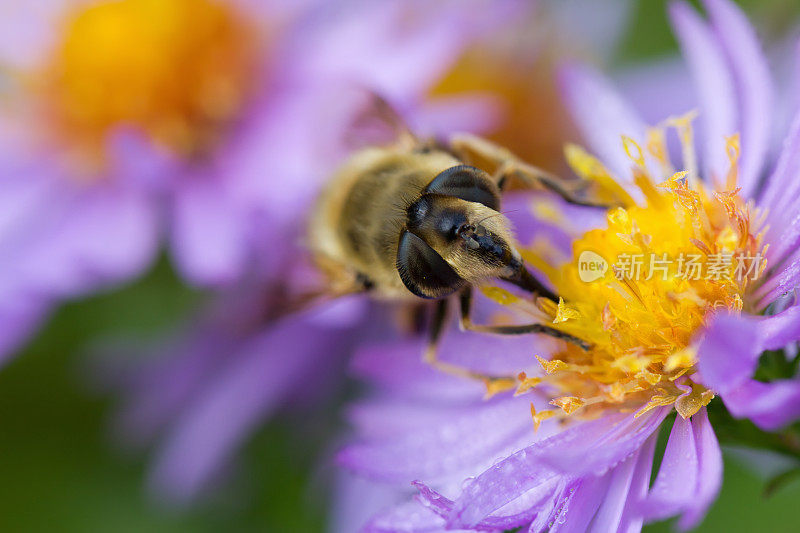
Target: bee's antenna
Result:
[[481, 221]]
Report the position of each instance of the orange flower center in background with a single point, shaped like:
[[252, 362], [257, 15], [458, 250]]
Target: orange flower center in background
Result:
[[533, 122], [177, 69]]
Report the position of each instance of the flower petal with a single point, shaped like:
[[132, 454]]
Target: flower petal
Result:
[[783, 282], [406, 517], [657, 90], [356, 502], [752, 75], [447, 448], [602, 116], [517, 513], [623, 439], [263, 375], [632, 517], [549, 509], [581, 506], [18, 320], [208, 233], [29, 29], [779, 330], [727, 359], [413, 52], [781, 188], [609, 515], [158, 389], [673, 489], [783, 217], [713, 84], [709, 478], [474, 113], [83, 240], [534, 465], [399, 366], [729, 351], [769, 405]]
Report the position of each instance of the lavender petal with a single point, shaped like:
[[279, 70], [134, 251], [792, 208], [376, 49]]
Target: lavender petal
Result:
[[752, 75], [713, 84]]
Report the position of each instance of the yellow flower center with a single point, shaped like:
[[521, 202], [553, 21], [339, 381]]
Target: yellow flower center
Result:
[[640, 288], [178, 69]]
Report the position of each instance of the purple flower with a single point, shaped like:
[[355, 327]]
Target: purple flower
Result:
[[661, 340], [208, 131], [200, 395]]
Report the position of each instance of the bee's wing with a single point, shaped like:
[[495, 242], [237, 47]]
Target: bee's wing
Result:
[[375, 122], [258, 307]]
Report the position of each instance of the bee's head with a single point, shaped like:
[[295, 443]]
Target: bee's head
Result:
[[455, 235]]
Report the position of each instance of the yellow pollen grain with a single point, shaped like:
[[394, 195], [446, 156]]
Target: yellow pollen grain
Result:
[[618, 218], [551, 367], [565, 312], [677, 180], [688, 404], [568, 404], [497, 385], [539, 417], [526, 383]]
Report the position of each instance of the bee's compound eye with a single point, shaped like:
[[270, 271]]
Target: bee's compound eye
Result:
[[418, 211], [433, 216], [423, 270], [468, 183]]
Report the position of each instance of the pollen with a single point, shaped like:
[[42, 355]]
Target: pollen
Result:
[[565, 312], [679, 250], [178, 70]]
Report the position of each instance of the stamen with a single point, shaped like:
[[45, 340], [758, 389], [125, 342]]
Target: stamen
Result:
[[661, 270], [683, 125]]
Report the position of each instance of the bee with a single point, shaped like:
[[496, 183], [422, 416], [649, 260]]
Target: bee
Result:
[[419, 219]]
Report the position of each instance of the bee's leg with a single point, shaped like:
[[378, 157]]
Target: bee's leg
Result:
[[430, 356], [466, 324], [478, 151]]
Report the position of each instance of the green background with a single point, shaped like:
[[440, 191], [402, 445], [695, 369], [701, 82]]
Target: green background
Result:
[[60, 470]]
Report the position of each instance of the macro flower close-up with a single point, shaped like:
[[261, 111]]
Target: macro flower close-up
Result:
[[400, 266], [678, 292]]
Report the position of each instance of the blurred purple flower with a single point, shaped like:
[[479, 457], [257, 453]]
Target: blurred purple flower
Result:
[[209, 130], [477, 465], [201, 395]]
